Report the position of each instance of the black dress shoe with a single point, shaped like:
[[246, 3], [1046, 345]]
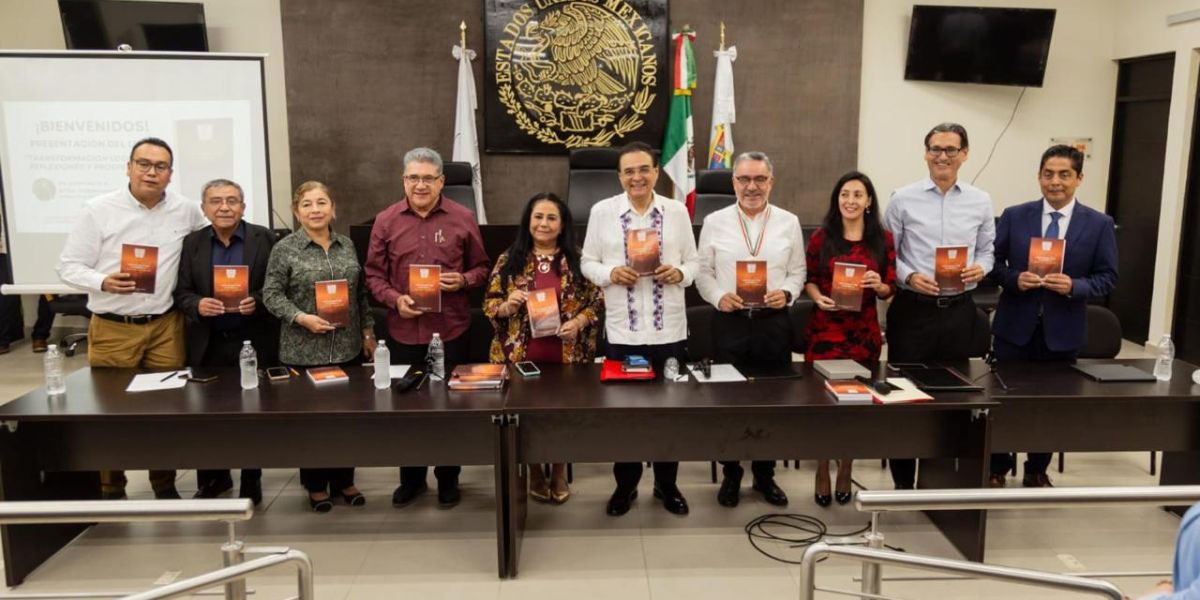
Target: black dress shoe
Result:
[[251, 490], [448, 495], [167, 494], [213, 489], [771, 492], [672, 499], [355, 499], [620, 502], [729, 492], [405, 494], [1036, 480]]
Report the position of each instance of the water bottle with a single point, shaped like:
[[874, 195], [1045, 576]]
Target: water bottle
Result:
[[248, 361], [671, 369], [383, 364], [437, 357], [1166, 355], [56, 384]]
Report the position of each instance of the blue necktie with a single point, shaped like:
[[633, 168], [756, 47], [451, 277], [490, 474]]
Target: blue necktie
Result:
[[1052, 229]]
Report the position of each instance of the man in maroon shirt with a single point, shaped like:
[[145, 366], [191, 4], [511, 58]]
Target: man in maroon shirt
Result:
[[426, 228]]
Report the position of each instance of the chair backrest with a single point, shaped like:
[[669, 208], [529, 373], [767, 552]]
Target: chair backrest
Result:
[[479, 337], [799, 313], [981, 334], [592, 178], [1102, 338], [70, 304], [714, 191], [699, 339], [459, 185]]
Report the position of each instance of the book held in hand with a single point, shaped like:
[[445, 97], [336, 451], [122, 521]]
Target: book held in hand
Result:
[[333, 302], [752, 283], [231, 285], [1046, 255], [642, 246], [478, 376], [544, 319], [141, 263], [948, 266], [320, 375], [425, 287], [847, 291], [848, 391]]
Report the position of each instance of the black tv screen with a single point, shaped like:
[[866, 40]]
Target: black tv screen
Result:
[[106, 24], [1003, 46]]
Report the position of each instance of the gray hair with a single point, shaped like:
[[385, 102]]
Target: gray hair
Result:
[[425, 155], [755, 155], [948, 128], [221, 183]]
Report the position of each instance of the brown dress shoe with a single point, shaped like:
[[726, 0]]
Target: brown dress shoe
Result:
[[1036, 480], [996, 481], [39, 346]]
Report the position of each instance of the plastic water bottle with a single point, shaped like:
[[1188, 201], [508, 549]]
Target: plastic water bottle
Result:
[[671, 370], [56, 383], [248, 361], [437, 357], [1166, 355], [383, 364]]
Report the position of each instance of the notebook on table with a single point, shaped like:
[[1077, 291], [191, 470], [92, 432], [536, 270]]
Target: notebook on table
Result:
[[1106, 373]]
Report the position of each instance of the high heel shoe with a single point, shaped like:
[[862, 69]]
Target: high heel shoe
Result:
[[355, 499], [825, 499], [320, 506], [822, 500], [843, 493], [559, 492]]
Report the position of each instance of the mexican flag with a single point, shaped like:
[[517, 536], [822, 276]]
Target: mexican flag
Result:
[[678, 157]]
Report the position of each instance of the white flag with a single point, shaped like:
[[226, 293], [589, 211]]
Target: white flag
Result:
[[466, 142], [720, 137]]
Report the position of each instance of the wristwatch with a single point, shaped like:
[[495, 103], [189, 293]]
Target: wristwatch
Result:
[[787, 297]]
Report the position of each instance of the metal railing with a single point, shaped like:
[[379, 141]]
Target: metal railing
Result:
[[808, 568], [237, 573], [1020, 498]]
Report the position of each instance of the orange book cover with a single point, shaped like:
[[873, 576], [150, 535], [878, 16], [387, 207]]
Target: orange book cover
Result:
[[1046, 255], [425, 287], [641, 246], [321, 375], [847, 387], [478, 376], [231, 285], [847, 290], [752, 282], [948, 267], [333, 302], [141, 263], [544, 319]]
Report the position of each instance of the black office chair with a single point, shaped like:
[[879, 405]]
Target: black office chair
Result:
[[714, 191], [592, 178], [479, 337], [699, 339], [459, 185], [981, 334], [75, 305], [1102, 339]]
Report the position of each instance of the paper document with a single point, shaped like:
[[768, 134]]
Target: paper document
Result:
[[908, 392], [398, 371], [148, 382], [718, 374]]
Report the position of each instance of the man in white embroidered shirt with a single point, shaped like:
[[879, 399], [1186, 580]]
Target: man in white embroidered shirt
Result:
[[752, 265], [644, 312], [134, 323]]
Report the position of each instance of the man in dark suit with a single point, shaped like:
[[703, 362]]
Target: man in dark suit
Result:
[[1043, 318], [215, 333]]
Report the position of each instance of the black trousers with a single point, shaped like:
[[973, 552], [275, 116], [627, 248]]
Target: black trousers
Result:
[[12, 324], [628, 474], [45, 320], [332, 479], [222, 351], [457, 353], [918, 329], [751, 338], [1033, 350]]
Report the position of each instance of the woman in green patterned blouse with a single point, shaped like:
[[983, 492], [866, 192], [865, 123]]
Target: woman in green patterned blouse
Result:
[[298, 262], [543, 261]]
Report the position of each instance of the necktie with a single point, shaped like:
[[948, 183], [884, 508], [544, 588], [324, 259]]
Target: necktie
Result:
[[1052, 229]]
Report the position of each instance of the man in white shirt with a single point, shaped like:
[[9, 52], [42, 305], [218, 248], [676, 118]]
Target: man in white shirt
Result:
[[746, 238], [133, 325], [644, 314]]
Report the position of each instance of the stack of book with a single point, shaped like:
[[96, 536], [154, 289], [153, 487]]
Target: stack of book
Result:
[[319, 375], [849, 391], [479, 376], [635, 364]]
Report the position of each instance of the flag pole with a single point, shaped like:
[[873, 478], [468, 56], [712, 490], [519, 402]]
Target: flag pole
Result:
[[722, 48], [462, 34]]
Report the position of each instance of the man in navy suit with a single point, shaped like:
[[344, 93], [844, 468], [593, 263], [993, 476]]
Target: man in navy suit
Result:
[[1044, 318]]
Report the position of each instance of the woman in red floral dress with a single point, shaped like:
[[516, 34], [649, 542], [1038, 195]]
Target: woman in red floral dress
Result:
[[851, 233]]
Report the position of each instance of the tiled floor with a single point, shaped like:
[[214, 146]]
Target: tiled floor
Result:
[[575, 551]]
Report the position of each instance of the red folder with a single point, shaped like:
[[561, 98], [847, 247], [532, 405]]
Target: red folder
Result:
[[612, 372]]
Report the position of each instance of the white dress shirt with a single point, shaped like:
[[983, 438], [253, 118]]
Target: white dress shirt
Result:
[[1063, 221], [604, 250], [722, 245], [93, 250], [921, 218]]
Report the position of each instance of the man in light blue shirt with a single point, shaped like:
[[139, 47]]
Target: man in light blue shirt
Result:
[[933, 316], [1186, 583]]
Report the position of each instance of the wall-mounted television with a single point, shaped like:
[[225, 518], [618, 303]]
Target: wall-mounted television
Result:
[[1001, 46], [106, 24]]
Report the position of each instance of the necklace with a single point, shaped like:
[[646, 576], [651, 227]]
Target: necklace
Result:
[[544, 260]]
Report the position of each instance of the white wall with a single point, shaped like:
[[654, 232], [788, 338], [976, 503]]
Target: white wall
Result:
[[1076, 101], [1143, 31]]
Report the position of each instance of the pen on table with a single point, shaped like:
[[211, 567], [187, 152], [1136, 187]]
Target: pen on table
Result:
[[169, 375], [294, 373]]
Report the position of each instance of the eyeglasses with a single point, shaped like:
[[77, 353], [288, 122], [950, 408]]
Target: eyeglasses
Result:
[[144, 166], [425, 179], [759, 180], [230, 202], [950, 152]]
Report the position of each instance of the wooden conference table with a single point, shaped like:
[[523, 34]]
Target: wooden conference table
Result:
[[567, 415]]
